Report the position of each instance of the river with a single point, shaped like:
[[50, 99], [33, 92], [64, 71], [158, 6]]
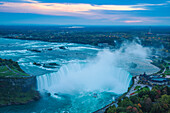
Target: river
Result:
[[82, 79]]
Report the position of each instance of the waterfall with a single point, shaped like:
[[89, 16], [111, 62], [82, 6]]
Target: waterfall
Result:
[[99, 74]]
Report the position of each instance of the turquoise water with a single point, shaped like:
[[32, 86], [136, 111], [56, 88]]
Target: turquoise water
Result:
[[17, 50], [86, 78]]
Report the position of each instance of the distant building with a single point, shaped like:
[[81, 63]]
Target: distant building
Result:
[[149, 33], [153, 80], [159, 81], [150, 30]]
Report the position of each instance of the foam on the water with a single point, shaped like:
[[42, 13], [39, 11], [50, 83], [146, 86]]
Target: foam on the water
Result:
[[99, 74]]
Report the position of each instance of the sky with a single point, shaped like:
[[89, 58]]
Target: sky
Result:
[[84, 12]]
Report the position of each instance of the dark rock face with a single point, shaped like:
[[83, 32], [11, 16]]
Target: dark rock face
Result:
[[51, 65], [47, 65], [37, 64], [25, 83], [34, 50], [54, 64], [62, 47], [18, 90], [50, 49]]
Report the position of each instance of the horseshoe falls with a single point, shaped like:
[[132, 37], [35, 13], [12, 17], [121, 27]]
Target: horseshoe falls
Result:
[[83, 82], [73, 78]]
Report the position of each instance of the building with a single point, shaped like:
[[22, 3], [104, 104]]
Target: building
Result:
[[153, 80], [159, 81]]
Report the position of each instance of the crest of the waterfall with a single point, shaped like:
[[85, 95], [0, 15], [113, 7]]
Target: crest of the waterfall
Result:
[[99, 74]]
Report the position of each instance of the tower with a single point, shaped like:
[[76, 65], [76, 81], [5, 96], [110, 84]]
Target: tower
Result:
[[150, 30]]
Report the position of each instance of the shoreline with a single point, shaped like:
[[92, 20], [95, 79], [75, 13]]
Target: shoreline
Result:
[[47, 41], [103, 109]]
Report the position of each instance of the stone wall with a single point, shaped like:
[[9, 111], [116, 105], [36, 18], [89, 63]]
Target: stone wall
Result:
[[24, 83]]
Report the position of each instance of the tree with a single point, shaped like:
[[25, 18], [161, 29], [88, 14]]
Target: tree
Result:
[[147, 104], [112, 109], [156, 108], [121, 110], [164, 91], [134, 99], [125, 103], [152, 94], [165, 99]]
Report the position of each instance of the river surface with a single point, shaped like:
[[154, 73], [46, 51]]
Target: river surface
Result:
[[84, 78]]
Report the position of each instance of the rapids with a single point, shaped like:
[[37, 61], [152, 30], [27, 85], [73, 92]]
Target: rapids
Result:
[[86, 79]]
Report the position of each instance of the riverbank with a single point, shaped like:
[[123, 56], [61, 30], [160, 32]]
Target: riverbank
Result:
[[102, 110], [155, 100], [131, 89], [140, 88], [55, 41]]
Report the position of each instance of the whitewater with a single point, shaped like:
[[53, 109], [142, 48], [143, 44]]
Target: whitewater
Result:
[[87, 78], [98, 74]]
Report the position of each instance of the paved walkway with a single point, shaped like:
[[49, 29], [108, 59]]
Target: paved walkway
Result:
[[12, 70], [163, 70], [132, 90]]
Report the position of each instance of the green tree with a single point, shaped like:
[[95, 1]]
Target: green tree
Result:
[[147, 104], [156, 108], [112, 109], [125, 103], [135, 99], [152, 94], [165, 99]]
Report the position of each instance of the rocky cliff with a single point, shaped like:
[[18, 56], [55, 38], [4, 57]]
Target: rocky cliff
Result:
[[16, 87]]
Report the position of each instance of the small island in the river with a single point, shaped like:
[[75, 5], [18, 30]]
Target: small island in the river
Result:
[[16, 86]]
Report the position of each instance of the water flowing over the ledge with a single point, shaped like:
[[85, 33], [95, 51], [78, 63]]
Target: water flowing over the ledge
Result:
[[99, 74]]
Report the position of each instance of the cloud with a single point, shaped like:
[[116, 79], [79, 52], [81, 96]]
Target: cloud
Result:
[[64, 9], [32, 1], [32, 6], [79, 10], [132, 21]]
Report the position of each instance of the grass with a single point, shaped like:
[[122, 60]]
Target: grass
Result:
[[8, 73], [20, 73], [137, 87], [162, 65], [142, 89], [4, 71], [167, 72]]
